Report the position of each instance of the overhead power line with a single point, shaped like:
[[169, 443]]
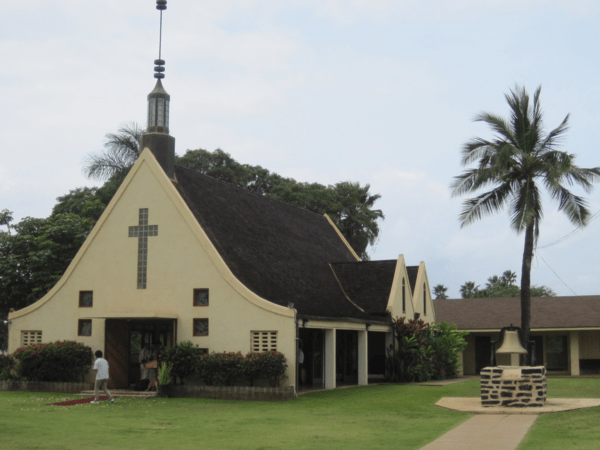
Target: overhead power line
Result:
[[538, 254], [558, 241]]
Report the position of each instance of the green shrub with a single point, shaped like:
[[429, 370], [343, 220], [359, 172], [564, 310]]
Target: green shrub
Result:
[[273, 366], [7, 365], [221, 368], [230, 368], [164, 374], [252, 367], [56, 361], [447, 343], [424, 352], [182, 357]]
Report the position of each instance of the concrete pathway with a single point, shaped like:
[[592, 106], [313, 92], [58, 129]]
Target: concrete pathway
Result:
[[486, 432]]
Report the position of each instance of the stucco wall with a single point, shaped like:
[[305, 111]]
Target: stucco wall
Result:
[[180, 260], [395, 301]]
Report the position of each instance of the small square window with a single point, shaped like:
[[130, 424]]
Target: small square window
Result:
[[200, 297], [200, 327], [86, 299], [85, 327], [30, 338], [263, 341]]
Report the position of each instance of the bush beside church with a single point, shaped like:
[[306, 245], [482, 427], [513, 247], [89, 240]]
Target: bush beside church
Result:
[[225, 368]]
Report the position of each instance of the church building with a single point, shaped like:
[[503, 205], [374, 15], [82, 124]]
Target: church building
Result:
[[179, 256]]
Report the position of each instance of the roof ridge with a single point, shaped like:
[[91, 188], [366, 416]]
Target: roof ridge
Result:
[[226, 183], [367, 262]]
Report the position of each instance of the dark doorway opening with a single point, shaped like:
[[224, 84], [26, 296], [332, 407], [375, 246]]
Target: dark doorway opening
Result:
[[347, 357], [483, 352], [124, 339], [312, 370], [376, 353]]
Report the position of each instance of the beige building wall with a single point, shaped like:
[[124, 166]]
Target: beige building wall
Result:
[[180, 259], [395, 303], [422, 301]]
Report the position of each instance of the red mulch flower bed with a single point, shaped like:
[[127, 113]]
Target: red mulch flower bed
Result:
[[78, 401]]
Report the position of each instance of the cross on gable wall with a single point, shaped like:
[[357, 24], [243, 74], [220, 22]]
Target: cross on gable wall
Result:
[[142, 232]]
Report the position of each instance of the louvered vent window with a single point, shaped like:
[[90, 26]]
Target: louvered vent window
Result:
[[264, 341], [30, 338]]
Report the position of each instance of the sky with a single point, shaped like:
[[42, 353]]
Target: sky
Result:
[[382, 92]]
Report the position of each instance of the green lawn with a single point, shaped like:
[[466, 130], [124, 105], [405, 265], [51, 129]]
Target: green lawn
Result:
[[354, 418], [366, 417], [573, 430]]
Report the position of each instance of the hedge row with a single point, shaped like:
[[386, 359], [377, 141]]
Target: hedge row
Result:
[[226, 368], [57, 361]]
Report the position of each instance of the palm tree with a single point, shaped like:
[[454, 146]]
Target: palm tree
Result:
[[492, 282], [468, 290], [122, 150], [508, 277], [440, 292], [517, 163]]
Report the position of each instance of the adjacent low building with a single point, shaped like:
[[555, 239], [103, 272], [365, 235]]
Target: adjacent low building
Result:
[[566, 330]]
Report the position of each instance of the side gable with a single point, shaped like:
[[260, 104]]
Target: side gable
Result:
[[400, 301], [422, 301]]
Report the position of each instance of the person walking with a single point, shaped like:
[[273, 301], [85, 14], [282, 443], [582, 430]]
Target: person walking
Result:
[[101, 365]]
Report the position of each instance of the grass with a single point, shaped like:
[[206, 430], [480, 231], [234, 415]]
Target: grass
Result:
[[573, 430], [354, 418], [394, 416]]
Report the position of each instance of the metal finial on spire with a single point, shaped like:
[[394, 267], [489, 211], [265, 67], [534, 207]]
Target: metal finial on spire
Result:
[[161, 5]]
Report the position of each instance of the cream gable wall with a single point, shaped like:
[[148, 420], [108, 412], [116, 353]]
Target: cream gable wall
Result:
[[394, 306], [418, 295], [180, 259]]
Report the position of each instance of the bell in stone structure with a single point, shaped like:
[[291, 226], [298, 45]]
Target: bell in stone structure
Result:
[[512, 343]]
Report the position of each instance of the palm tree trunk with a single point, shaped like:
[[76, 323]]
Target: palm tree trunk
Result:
[[526, 288]]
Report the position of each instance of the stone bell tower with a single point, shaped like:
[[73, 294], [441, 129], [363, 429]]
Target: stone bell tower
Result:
[[157, 137]]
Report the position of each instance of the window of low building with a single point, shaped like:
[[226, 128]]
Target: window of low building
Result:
[[200, 327], [86, 299], [85, 327], [30, 338], [200, 297], [263, 341]]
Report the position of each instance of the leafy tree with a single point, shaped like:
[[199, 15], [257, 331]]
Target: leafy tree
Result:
[[509, 277], [469, 290], [6, 218], [492, 282], [516, 163], [89, 203], [440, 291], [121, 151], [504, 287], [35, 256], [542, 291]]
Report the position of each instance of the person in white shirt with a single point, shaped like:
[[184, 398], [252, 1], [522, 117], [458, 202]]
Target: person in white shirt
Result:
[[101, 365]]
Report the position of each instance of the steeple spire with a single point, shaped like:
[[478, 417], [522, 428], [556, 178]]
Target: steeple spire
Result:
[[157, 137]]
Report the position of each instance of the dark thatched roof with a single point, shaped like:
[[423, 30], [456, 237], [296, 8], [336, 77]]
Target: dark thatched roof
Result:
[[367, 283], [279, 252], [495, 313]]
